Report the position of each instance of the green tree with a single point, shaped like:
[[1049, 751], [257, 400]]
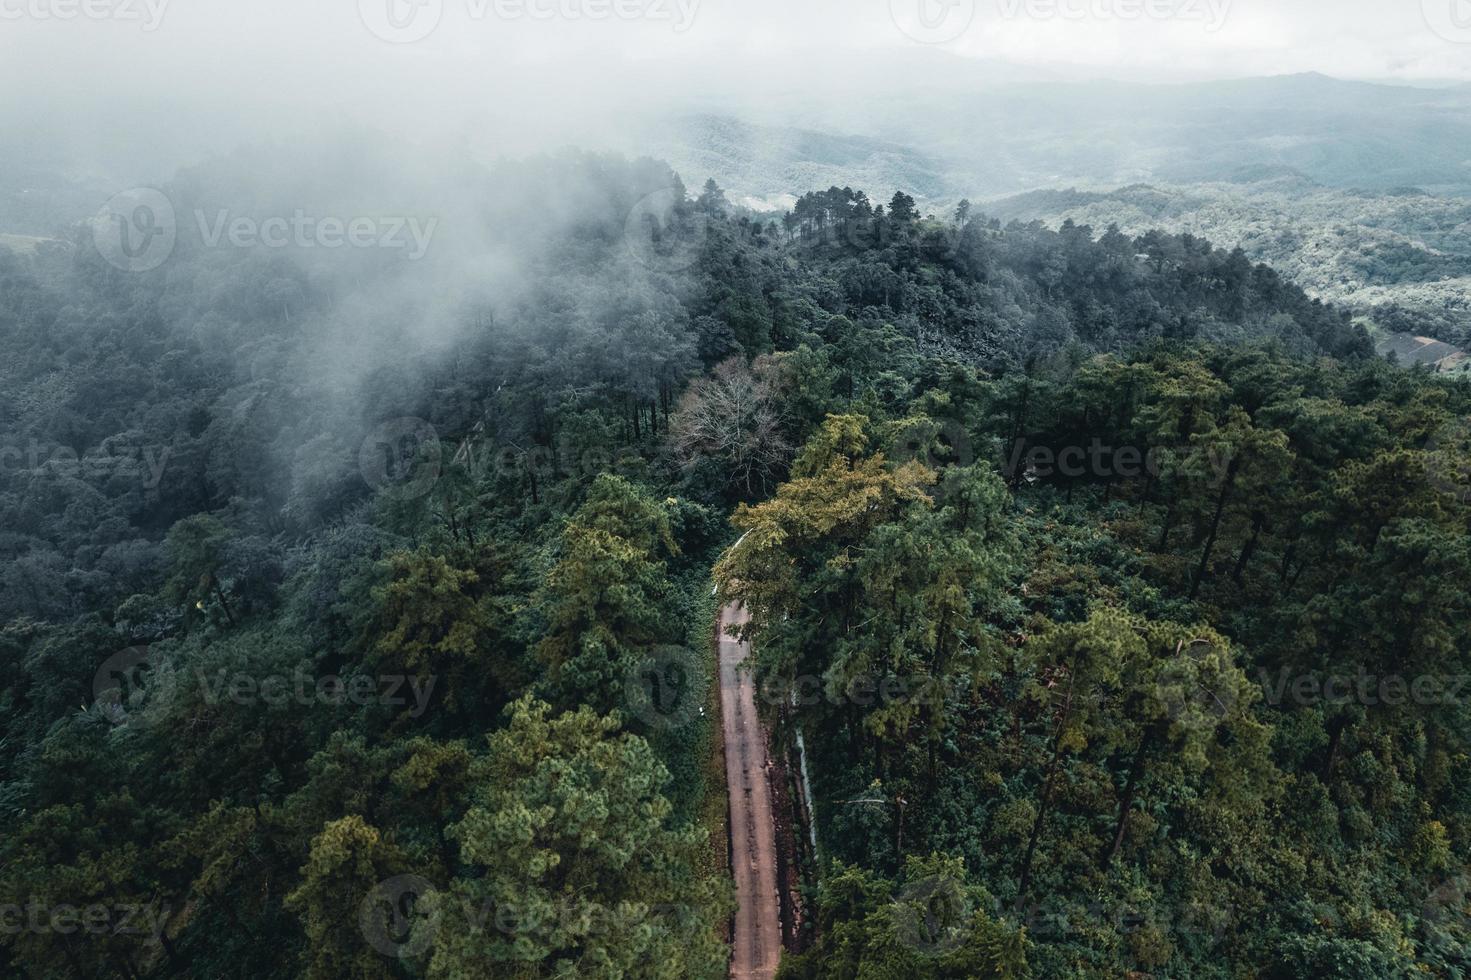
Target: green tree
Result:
[[429, 623], [345, 924], [932, 924], [196, 548], [607, 599], [578, 869]]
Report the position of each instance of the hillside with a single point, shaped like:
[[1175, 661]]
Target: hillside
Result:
[[1401, 258], [979, 136], [352, 598]]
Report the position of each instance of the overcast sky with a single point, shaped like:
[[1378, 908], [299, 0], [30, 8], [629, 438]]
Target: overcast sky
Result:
[[561, 66], [265, 40]]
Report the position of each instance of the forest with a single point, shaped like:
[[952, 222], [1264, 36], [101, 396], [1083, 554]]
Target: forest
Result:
[[1397, 257], [1112, 587]]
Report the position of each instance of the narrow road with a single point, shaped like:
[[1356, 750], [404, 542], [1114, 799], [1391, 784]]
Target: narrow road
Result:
[[756, 941]]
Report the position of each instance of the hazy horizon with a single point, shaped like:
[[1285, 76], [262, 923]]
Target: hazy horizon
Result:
[[111, 80]]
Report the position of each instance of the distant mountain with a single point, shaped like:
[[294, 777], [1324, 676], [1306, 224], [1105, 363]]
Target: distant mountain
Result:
[[941, 128], [38, 202], [991, 138], [1399, 257], [766, 163]]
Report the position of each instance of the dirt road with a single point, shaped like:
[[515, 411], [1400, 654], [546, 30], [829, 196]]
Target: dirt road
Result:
[[757, 938]]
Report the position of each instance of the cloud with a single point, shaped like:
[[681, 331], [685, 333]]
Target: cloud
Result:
[[133, 85]]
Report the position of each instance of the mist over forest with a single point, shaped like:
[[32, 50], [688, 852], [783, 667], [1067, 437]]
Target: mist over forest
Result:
[[684, 489]]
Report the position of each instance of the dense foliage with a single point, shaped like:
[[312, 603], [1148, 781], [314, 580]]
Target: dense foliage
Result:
[[1400, 258], [322, 630]]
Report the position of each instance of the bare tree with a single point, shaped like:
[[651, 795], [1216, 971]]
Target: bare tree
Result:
[[735, 419]]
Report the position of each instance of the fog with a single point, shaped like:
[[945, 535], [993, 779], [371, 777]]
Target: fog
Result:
[[130, 88], [434, 117]]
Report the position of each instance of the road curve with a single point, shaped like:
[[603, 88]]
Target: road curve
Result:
[[756, 940]]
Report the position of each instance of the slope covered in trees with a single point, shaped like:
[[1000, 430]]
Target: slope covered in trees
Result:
[[1401, 258], [357, 614]]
